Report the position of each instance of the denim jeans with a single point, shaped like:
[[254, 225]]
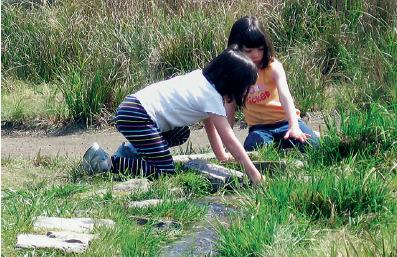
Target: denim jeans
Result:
[[260, 135]]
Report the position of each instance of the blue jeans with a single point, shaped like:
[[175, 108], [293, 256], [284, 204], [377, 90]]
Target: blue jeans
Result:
[[260, 135]]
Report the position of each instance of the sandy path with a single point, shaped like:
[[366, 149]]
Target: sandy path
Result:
[[74, 145]]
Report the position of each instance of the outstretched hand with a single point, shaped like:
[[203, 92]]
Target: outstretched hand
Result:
[[228, 158], [297, 134]]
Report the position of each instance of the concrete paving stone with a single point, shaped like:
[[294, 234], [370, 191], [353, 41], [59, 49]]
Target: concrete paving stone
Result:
[[44, 241], [81, 225]]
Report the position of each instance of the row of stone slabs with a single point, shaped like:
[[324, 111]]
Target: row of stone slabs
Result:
[[74, 234]]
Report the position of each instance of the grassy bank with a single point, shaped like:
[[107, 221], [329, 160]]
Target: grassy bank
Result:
[[341, 202], [76, 60], [337, 54]]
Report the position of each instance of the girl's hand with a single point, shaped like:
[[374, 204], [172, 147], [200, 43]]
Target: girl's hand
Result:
[[258, 181], [227, 158], [296, 133]]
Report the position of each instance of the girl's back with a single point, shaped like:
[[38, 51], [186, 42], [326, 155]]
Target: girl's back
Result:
[[180, 101]]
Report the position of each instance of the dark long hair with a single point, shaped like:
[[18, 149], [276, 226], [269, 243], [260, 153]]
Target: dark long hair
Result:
[[232, 73], [249, 32]]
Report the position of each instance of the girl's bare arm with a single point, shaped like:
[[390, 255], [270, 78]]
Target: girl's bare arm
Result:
[[287, 101], [234, 146]]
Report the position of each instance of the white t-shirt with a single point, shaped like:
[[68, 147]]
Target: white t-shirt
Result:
[[181, 101]]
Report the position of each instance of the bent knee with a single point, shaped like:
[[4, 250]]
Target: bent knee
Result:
[[255, 140]]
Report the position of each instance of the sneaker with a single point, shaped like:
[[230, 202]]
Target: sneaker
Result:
[[126, 149], [96, 160]]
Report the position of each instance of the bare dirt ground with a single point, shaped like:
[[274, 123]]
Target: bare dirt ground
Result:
[[73, 144]]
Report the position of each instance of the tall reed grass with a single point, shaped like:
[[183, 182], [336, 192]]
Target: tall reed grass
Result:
[[343, 50]]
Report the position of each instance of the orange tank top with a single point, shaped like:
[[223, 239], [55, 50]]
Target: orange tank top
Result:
[[262, 105]]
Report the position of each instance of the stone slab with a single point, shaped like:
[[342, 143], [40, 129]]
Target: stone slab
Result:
[[122, 188], [71, 236], [70, 245], [151, 202], [132, 185], [145, 203], [80, 225], [188, 157], [218, 175], [204, 156]]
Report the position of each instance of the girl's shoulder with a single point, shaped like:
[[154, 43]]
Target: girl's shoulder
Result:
[[275, 69], [275, 65]]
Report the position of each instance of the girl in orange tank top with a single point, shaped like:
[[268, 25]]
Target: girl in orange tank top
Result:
[[269, 108]]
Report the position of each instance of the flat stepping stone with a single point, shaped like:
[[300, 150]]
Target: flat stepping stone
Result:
[[132, 185], [80, 225], [218, 175], [263, 166], [65, 241], [71, 236], [145, 203], [149, 203], [188, 157], [204, 156], [124, 188]]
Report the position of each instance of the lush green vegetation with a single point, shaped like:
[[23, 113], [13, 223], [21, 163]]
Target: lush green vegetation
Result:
[[338, 54], [65, 196], [76, 60], [341, 202]]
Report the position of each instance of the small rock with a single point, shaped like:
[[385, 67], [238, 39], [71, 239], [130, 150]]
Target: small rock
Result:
[[177, 191], [158, 224], [145, 203], [132, 185], [166, 224], [298, 164]]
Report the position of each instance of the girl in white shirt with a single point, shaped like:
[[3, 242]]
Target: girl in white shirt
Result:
[[156, 117]]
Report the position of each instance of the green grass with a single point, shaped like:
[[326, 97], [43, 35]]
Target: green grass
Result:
[[29, 104], [341, 203], [337, 55], [77, 60], [335, 205], [70, 199]]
